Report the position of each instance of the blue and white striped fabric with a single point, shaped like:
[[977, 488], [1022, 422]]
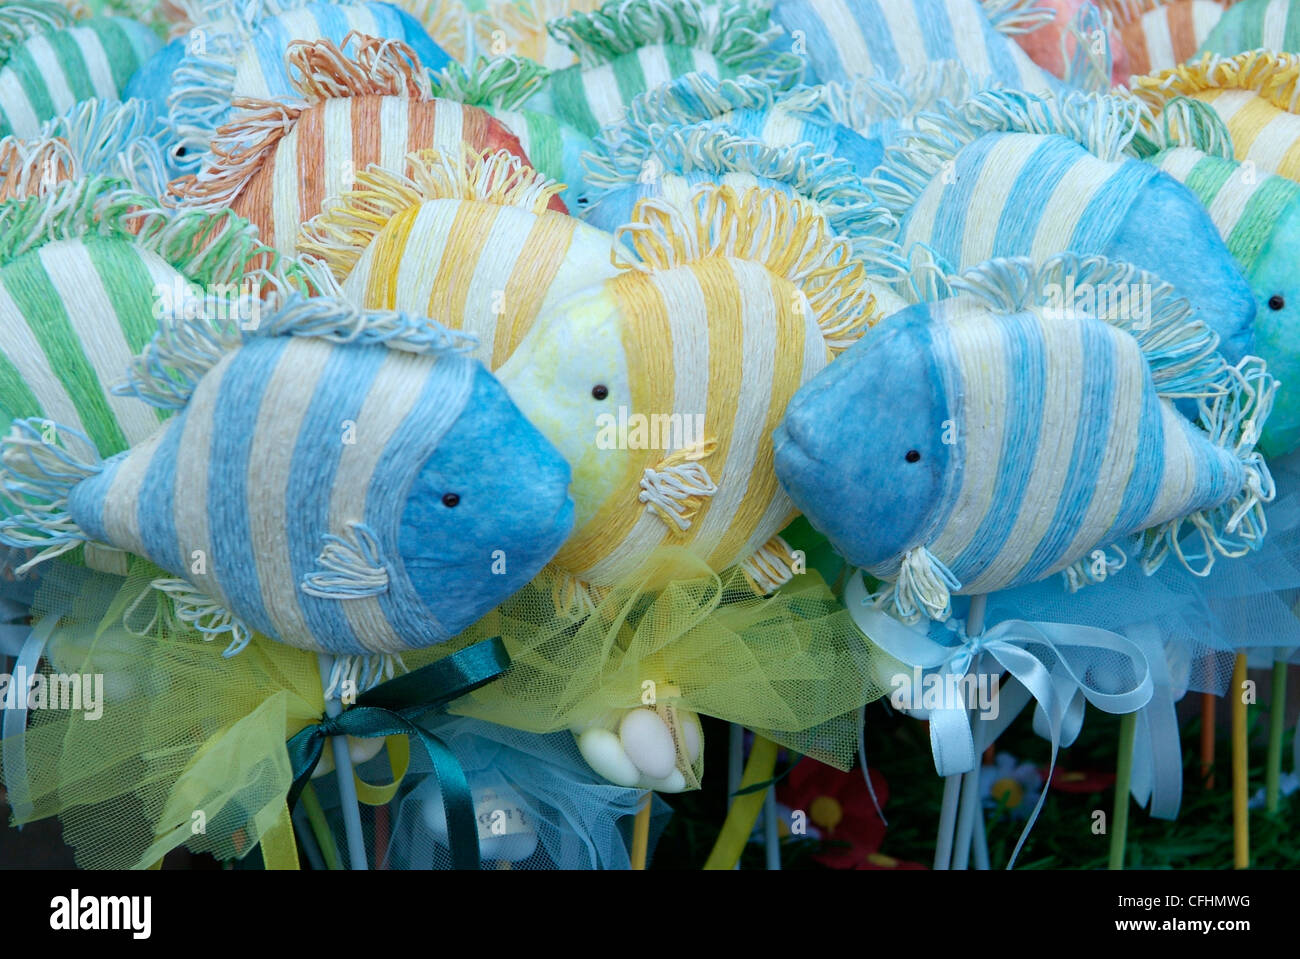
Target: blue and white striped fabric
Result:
[[844, 39]]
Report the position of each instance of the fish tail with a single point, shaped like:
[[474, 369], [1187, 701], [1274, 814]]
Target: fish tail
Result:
[[1234, 421], [771, 566], [924, 587], [40, 464]]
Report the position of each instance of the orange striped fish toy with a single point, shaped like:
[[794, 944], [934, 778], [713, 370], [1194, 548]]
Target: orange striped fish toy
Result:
[[277, 163], [1162, 34], [467, 236], [662, 385], [1255, 95]]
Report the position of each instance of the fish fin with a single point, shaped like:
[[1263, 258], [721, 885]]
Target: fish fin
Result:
[[319, 70], [358, 672], [20, 20], [1011, 17], [922, 587], [339, 234], [631, 156], [573, 597], [196, 608], [1274, 77], [770, 567], [1181, 351], [497, 83], [338, 321], [697, 96], [1188, 122], [1097, 567], [1086, 67], [1233, 420], [739, 33], [679, 484], [863, 102], [1103, 124], [349, 567], [789, 236], [39, 468]]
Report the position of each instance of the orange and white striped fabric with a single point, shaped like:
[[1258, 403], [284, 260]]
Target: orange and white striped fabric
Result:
[[276, 164], [1162, 34], [466, 238]]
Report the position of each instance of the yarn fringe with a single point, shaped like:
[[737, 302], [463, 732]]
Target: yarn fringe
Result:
[[349, 568], [678, 485], [22, 19], [788, 236], [1233, 420], [339, 235], [696, 96], [738, 32], [1187, 122], [1012, 17], [771, 566], [1271, 76], [1103, 125], [924, 586], [1087, 68], [195, 608], [38, 470], [863, 102], [499, 83], [361, 672]]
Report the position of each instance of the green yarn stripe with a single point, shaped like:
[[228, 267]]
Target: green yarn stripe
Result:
[[628, 75], [681, 60], [37, 298], [75, 71], [17, 401], [1252, 232], [1209, 176], [570, 99], [29, 77], [123, 58]]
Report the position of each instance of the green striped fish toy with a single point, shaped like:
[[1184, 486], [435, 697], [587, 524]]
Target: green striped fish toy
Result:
[[1254, 25], [629, 46], [44, 72], [1010, 174], [1258, 216]]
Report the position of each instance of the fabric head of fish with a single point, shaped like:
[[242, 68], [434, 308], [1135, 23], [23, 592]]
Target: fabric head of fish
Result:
[[662, 385], [999, 435], [366, 496]]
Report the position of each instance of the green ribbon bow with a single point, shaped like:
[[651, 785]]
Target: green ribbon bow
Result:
[[390, 709]]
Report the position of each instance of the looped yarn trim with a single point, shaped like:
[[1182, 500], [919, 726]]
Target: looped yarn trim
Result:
[[1271, 76], [501, 83]]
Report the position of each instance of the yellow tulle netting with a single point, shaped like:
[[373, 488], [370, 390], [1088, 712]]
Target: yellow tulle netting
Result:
[[190, 747]]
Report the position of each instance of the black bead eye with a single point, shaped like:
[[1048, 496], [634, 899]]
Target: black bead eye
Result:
[[450, 499], [600, 391], [913, 456], [1277, 302]]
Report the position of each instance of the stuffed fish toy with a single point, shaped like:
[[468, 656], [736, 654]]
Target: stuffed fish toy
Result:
[[1159, 35], [1020, 425], [1253, 93], [338, 480], [718, 315], [96, 138], [364, 103], [49, 62], [469, 236], [626, 47], [1255, 25], [1007, 174], [1259, 219], [511, 27], [844, 39], [239, 51]]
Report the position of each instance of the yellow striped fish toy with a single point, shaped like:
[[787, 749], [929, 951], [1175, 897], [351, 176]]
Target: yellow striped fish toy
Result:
[[364, 103], [50, 62], [238, 50], [1009, 174], [1254, 94], [1256, 25], [520, 28], [467, 236], [1023, 424], [337, 480], [662, 385]]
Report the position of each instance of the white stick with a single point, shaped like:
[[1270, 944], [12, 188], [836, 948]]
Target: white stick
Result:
[[343, 770], [771, 840], [952, 787], [735, 764]]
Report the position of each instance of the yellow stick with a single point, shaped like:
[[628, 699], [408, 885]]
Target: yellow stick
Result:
[[744, 809], [641, 833], [1240, 768]]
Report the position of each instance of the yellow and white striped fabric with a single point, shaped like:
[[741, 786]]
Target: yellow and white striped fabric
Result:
[[715, 323], [1255, 94], [467, 239]]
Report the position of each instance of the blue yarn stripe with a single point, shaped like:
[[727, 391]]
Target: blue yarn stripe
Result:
[[1105, 214], [1027, 203], [156, 503]]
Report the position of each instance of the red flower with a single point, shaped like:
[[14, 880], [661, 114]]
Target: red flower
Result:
[[838, 805], [1069, 781]]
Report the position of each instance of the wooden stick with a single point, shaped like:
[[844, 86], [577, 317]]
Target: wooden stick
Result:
[[1240, 768], [1208, 701], [641, 833], [1276, 733], [1123, 786]]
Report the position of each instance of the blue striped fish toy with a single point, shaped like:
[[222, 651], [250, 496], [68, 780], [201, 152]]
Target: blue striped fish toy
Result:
[[49, 62], [239, 51], [1023, 425], [340, 481], [843, 39], [626, 47], [1009, 174]]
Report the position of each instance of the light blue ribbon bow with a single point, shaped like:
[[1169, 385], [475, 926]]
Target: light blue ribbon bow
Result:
[[1058, 663], [1157, 749]]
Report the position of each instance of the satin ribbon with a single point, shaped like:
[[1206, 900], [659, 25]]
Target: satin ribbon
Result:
[[1157, 750], [1060, 682], [390, 709]]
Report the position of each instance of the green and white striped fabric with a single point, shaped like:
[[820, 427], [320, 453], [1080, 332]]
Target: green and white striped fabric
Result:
[[51, 71]]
